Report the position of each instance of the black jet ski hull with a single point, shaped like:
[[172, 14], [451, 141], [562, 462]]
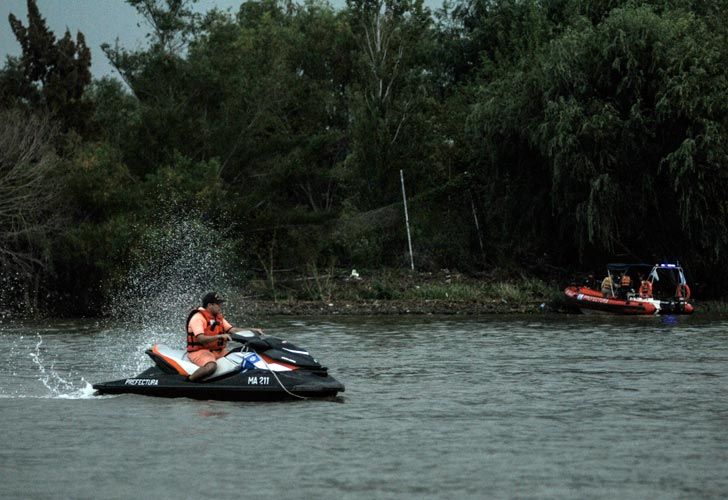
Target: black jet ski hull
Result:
[[249, 385]]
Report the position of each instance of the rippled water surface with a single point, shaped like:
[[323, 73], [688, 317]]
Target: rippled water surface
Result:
[[435, 407]]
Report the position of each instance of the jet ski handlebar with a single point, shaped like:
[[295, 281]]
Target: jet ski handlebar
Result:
[[244, 336], [251, 340]]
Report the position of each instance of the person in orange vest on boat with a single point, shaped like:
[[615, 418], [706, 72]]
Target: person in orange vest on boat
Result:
[[208, 333], [626, 281], [646, 289], [625, 285]]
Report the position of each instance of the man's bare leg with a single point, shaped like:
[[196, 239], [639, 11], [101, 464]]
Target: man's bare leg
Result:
[[203, 371]]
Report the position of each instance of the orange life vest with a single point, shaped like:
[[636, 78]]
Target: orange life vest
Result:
[[213, 326], [646, 289], [683, 291]]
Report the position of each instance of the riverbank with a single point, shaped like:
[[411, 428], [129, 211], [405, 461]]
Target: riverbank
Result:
[[382, 307], [353, 292]]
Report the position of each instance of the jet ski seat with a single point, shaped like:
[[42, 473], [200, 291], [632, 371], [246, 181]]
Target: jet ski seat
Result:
[[171, 360]]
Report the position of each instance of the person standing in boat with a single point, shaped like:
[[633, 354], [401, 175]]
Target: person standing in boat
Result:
[[645, 288], [590, 281], [208, 333], [608, 286], [625, 285]]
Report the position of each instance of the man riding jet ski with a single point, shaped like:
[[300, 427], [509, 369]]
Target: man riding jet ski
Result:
[[208, 333], [262, 368]]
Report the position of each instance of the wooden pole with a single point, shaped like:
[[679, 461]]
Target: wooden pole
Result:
[[406, 220], [477, 227]]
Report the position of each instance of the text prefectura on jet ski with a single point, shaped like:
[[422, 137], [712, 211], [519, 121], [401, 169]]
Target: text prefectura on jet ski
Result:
[[640, 289], [261, 368]]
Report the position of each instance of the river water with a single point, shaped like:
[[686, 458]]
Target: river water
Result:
[[435, 407]]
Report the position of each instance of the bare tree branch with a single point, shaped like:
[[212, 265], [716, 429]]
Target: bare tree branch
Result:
[[28, 194]]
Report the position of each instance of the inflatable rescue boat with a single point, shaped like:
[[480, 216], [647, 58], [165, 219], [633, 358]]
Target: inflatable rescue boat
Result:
[[635, 289]]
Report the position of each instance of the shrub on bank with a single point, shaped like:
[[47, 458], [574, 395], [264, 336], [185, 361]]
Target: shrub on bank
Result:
[[394, 284]]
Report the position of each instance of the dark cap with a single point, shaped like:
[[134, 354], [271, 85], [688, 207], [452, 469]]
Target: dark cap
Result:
[[212, 298]]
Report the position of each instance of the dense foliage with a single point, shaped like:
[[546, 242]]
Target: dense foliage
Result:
[[531, 134]]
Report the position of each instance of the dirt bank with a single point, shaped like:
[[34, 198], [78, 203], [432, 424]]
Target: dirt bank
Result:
[[391, 291], [384, 307]]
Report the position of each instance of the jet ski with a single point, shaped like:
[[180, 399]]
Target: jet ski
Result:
[[260, 369]]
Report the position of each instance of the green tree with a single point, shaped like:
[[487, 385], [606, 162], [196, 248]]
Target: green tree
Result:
[[56, 72], [167, 118], [391, 101], [610, 133]]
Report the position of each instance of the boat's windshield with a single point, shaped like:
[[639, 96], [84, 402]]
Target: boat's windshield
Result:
[[665, 280]]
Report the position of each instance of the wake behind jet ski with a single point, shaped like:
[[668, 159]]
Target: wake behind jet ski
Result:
[[261, 368]]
